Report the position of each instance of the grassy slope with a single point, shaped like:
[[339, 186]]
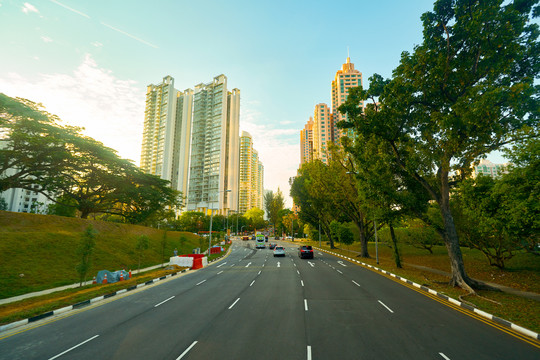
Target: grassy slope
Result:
[[44, 249]]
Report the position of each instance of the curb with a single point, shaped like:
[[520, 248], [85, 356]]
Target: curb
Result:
[[85, 303], [82, 304], [484, 314]]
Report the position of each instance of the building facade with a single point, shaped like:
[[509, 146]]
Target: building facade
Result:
[[214, 160], [306, 142], [251, 175], [323, 131], [487, 168]]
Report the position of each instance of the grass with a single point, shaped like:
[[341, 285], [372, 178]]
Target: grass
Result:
[[39, 252], [522, 273]]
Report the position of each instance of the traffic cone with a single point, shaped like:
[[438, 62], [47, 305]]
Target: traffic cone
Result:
[[94, 280], [130, 273], [105, 279], [121, 276]]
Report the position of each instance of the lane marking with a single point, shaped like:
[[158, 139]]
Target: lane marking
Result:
[[252, 283], [201, 282], [339, 271], [312, 264], [341, 263], [305, 305], [294, 263], [74, 347], [357, 284], [259, 273], [309, 352], [164, 301], [444, 356], [222, 264], [387, 308], [278, 264], [186, 351], [298, 272], [234, 303], [248, 264], [232, 265], [220, 272], [302, 282]]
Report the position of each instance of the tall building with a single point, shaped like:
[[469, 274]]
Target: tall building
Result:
[[346, 78], [323, 132], [306, 142], [166, 134], [214, 157], [251, 175], [487, 168]]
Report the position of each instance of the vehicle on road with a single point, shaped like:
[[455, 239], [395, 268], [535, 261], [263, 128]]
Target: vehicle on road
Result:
[[271, 246], [279, 251], [305, 252], [259, 242]]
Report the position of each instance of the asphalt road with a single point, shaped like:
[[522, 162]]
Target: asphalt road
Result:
[[251, 305]]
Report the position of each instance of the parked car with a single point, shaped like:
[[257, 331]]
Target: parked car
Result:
[[279, 251], [305, 251]]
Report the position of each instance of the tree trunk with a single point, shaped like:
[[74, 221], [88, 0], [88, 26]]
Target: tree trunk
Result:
[[363, 240], [396, 250]]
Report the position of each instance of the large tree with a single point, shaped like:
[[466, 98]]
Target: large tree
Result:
[[273, 203], [465, 91]]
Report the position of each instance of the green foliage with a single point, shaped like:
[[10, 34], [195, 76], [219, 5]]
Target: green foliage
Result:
[[85, 250], [163, 244], [141, 246], [273, 203], [345, 235], [3, 204], [255, 217]]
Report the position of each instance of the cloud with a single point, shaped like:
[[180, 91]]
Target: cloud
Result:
[[97, 44], [70, 9], [129, 35], [46, 39], [110, 109], [28, 8]]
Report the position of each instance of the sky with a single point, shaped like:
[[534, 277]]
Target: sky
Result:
[[89, 62]]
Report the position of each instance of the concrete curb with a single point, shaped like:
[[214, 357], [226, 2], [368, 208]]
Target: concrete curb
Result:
[[85, 303], [82, 304], [494, 318]]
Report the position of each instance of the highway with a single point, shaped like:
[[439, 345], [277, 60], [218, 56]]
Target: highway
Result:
[[251, 305]]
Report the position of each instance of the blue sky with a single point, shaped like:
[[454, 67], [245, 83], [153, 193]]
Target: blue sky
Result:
[[90, 61]]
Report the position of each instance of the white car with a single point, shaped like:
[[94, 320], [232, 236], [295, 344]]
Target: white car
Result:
[[279, 251]]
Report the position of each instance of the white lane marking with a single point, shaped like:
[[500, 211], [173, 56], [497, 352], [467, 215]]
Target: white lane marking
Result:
[[309, 352], [201, 282], [357, 284], [444, 356], [305, 305], [259, 272], [186, 351], [302, 282], [320, 254], [220, 272], [278, 264], [298, 272], [222, 264], [248, 264], [74, 347], [232, 265], [164, 301], [294, 264], [252, 283], [387, 308], [341, 263], [339, 271], [312, 264], [263, 265], [234, 303]]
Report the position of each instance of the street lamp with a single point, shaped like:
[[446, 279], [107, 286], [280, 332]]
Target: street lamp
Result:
[[211, 218]]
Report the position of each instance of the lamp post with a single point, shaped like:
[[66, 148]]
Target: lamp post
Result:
[[211, 218]]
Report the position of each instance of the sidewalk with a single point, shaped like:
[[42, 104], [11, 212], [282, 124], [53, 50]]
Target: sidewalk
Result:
[[503, 288]]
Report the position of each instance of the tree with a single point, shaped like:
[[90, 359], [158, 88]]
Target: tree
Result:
[[163, 244], [467, 90], [85, 250], [141, 246], [256, 217], [273, 203]]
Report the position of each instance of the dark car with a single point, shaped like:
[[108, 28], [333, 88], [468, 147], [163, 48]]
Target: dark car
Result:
[[305, 251], [272, 246]]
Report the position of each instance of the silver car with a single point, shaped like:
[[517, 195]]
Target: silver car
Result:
[[279, 251]]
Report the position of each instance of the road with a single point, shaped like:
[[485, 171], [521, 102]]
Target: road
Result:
[[251, 305]]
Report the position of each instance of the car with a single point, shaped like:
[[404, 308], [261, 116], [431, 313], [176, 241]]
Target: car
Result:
[[272, 246], [305, 251], [279, 251]]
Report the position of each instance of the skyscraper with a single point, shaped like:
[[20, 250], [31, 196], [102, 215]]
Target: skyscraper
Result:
[[306, 142], [251, 175], [347, 77], [214, 157], [166, 134], [323, 131]]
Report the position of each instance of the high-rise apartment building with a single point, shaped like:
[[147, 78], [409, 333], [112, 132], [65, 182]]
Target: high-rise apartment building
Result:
[[166, 134], [346, 78], [306, 142], [214, 157], [323, 131], [251, 175]]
